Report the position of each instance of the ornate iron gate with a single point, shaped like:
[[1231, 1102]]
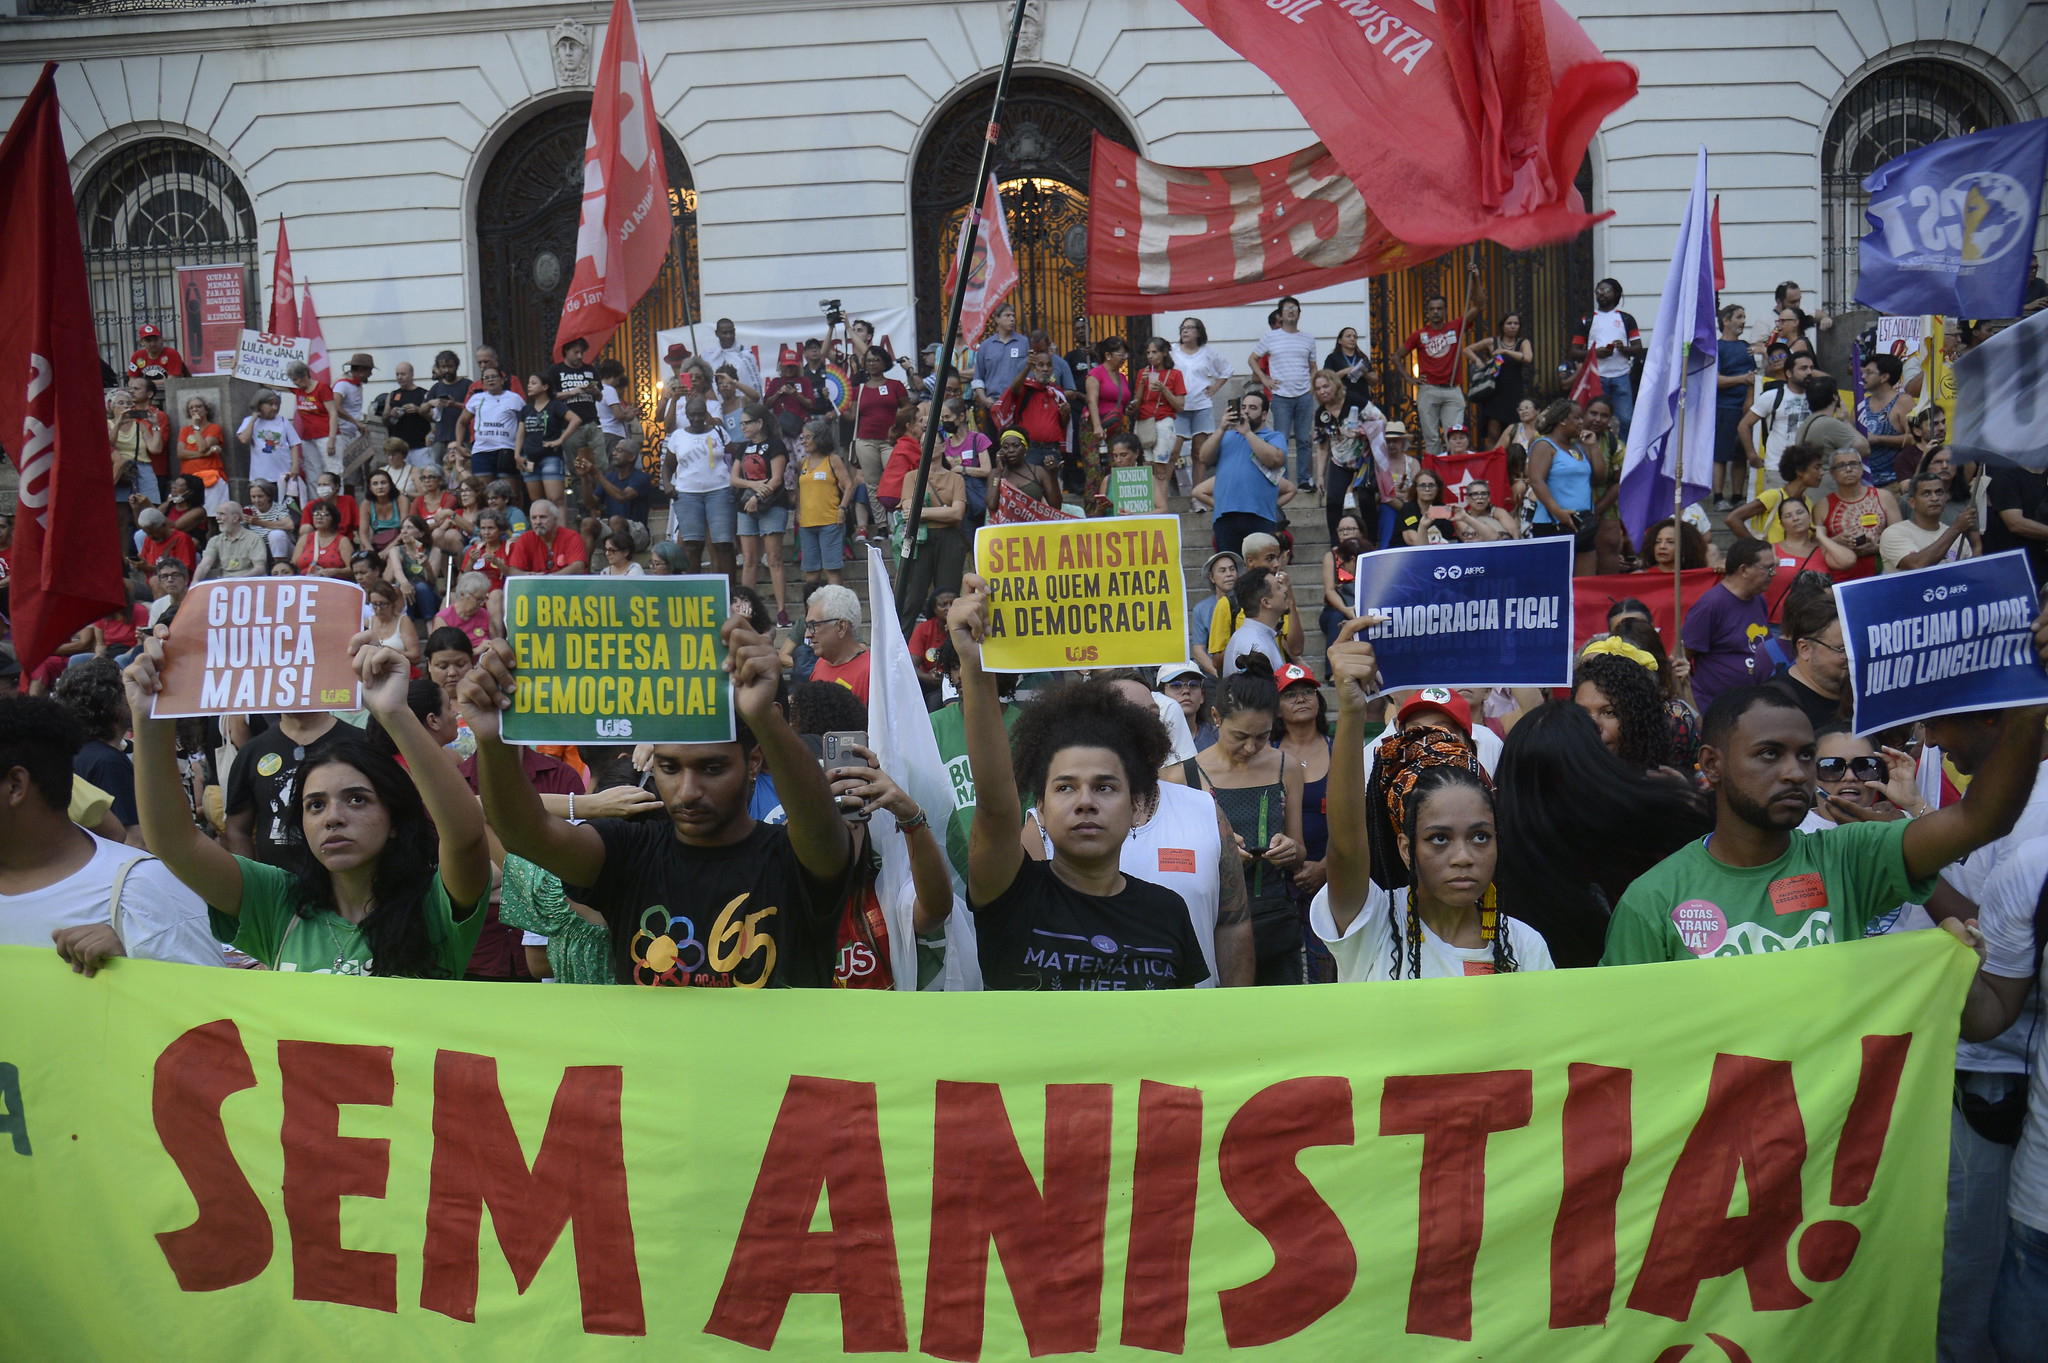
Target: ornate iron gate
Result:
[[1550, 287], [143, 211], [526, 220], [1041, 169], [1890, 112]]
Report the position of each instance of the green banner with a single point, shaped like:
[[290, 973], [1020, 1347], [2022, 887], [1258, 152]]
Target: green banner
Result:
[[1735, 1161], [619, 660], [1130, 491]]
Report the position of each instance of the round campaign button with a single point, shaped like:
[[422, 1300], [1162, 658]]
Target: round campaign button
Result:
[[1701, 926]]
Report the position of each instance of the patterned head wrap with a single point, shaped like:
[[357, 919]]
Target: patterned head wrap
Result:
[[1405, 754]]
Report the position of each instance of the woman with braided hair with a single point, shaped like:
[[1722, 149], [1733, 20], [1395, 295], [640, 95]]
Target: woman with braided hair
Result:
[[1616, 683], [1411, 857]]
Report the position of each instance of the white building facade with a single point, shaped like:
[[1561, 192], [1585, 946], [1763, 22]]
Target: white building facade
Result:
[[426, 158]]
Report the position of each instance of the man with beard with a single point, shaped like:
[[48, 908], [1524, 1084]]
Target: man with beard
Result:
[[1755, 884]]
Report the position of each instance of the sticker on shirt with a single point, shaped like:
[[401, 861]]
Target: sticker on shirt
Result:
[[1799, 894], [1479, 967], [1180, 860], [1701, 926], [270, 764]]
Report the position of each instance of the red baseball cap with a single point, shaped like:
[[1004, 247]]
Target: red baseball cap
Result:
[[148, 330], [790, 355], [1443, 701], [1295, 672]]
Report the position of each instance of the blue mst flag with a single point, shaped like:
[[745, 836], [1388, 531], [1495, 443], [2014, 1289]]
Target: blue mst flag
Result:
[[1942, 640], [1952, 224], [1470, 614]]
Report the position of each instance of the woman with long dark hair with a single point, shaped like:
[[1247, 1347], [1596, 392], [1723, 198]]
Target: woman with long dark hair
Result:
[[1613, 683], [1412, 855], [393, 870], [1578, 825]]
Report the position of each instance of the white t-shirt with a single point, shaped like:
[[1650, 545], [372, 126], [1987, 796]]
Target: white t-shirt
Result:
[[1253, 636], [1783, 412], [632, 570], [607, 420], [1177, 848], [161, 920], [1181, 739], [494, 419], [271, 443], [1198, 371], [1607, 329], [1365, 950], [1290, 359], [1971, 877], [701, 465], [348, 403], [2006, 916], [1904, 538]]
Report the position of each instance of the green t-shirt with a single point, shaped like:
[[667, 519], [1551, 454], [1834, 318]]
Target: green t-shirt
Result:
[[1826, 888], [951, 732], [533, 899], [271, 932]]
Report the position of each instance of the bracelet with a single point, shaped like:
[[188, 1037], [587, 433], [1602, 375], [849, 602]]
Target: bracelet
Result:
[[572, 806], [914, 822]]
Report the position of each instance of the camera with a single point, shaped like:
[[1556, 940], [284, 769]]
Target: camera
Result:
[[834, 314]]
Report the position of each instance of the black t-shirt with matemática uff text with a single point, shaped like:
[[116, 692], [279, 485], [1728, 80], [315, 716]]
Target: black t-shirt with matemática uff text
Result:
[[741, 916], [1043, 934]]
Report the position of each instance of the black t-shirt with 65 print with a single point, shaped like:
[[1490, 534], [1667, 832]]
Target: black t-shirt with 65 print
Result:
[[741, 916]]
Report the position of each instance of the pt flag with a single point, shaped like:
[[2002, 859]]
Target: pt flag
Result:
[[1558, 1166], [1952, 224], [1222, 235], [284, 297], [1464, 123], [1667, 445], [992, 273], [316, 344], [624, 236], [1457, 473], [52, 413]]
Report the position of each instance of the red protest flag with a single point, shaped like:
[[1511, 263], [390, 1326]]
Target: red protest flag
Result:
[[624, 237], [1592, 597], [1222, 235], [993, 273], [1457, 472], [1720, 265], [316, 344], [52, 413], [1586, 383], [284, 298], [1464, 123]]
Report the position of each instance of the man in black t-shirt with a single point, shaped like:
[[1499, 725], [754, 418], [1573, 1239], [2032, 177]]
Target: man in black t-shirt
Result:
[[404, 411], [260, 787], [709, 895], [575, 382], [445, 397], [2018, 518]]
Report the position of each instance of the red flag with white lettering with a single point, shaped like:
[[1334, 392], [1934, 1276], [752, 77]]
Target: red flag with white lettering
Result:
[[624, 237], [53, 416], [1464, 123], [1223, 235], [993, 272], [284, 299]]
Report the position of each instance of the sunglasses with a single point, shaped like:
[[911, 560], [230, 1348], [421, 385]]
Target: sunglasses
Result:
[[1839, 768]]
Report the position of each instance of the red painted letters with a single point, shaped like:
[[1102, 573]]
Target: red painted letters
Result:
[[1163, 1187], [579, 1174], [827, 1136], [321, 1166], [1314, 1263], [229, 1243]]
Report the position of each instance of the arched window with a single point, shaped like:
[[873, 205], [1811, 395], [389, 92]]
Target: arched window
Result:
[[143, 211], [527, 213], [1041, 168], [1891, 111]]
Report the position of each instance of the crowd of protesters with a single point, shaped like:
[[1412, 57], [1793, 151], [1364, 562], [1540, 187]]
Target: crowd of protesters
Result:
[[1261, 814]]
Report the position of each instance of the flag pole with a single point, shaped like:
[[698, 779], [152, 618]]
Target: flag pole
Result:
[[970, 228], [1677, 510]]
